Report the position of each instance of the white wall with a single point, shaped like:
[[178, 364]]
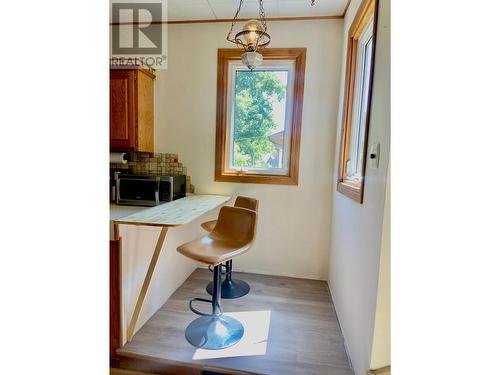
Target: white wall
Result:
[[381, 348], [357, 228], [294, 222]]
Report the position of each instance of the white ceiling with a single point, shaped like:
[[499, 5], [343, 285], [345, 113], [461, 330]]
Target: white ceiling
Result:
[[181, 10]]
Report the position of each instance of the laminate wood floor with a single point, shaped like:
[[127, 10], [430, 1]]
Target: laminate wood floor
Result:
[[290, 328]]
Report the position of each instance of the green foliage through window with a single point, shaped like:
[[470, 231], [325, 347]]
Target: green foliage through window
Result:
[[258, 94]]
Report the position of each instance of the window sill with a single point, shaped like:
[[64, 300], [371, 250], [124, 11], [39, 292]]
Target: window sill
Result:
[[352, 190], [254, 178]]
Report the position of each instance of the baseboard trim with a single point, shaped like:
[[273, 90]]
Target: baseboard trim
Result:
[[273, 273], [380, 371], [340, 324]]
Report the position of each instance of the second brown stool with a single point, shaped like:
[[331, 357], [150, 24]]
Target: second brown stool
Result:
[[232, 288], [232, 236]]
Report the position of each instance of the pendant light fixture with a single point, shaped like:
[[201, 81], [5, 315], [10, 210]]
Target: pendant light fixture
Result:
[[252, 38]]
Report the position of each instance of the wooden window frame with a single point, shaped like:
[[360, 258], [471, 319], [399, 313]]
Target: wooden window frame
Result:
[[352, 189], [224, 57]]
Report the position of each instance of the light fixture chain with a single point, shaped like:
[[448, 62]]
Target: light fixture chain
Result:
[[233, 23], [262, 15]]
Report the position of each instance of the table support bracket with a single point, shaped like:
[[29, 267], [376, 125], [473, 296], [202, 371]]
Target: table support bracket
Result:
[[147, 281]]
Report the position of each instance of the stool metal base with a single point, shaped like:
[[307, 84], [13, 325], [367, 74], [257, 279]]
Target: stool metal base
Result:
[[214, 332], [231, 288]]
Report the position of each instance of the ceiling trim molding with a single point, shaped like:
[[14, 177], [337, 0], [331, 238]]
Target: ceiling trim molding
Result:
[[346, 8], [305, 18]]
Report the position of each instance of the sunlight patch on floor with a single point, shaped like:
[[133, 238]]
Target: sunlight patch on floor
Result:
[[253, 342]]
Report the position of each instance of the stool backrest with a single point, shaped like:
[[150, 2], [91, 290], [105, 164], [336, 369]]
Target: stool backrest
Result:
[[246, 202], [236, 224]]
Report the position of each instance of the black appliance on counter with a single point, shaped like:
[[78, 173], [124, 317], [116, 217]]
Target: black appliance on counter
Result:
[[113, 176], [139, 190]]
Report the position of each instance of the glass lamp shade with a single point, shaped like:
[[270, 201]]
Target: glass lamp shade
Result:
[[252, 30], [253, 36], [251, 59]]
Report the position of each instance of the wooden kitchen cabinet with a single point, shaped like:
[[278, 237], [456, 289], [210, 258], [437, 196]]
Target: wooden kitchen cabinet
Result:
[[131, 110]]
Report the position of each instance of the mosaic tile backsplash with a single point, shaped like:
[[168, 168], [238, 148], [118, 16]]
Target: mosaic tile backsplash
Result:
[[156, 164]]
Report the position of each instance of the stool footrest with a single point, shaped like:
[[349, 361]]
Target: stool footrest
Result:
[[211, 269], [198, 312]]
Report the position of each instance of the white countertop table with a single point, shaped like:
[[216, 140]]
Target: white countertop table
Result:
[[171, 214]]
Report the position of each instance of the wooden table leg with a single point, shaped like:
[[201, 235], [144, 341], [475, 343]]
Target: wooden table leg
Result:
[[147, 281], [114, 297], [115, 338]]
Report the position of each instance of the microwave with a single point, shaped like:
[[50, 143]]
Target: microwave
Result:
[[137, 190]]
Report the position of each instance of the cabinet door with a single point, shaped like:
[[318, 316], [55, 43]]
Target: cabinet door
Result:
[[145, 113], [122, 110]]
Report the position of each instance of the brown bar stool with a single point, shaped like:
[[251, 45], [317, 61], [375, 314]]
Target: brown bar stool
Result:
[[232, 235], [232, 288]]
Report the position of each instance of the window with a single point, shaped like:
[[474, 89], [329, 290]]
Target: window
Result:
[[259, 109], [259, 117], [359, 70]]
